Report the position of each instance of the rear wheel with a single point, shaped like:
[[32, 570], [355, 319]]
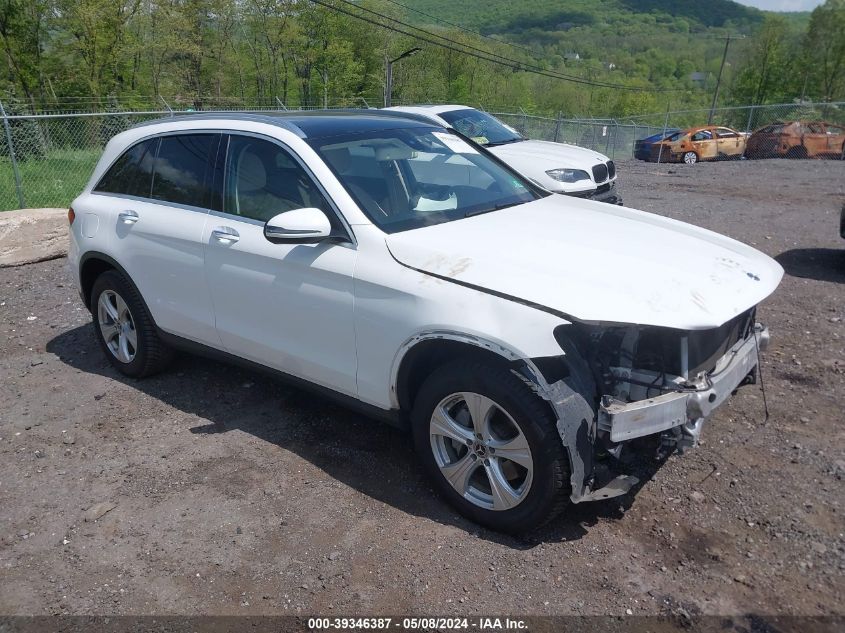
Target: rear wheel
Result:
[[491, 446], [125, 329], [690, 158]]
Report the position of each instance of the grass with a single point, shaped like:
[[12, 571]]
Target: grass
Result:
[[52, 181]]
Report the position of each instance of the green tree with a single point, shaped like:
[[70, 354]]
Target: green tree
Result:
[[824, 48], [22, 30], [770, 60], [95, 31]]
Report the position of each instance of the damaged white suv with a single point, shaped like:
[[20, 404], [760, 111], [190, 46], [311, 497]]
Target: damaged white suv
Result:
[[392, 264]]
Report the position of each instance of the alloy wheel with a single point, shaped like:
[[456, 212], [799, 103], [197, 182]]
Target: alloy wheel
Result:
[[481, 451], [690, 158], [117, 326]]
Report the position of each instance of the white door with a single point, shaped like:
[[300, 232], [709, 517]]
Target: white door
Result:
[[159, 191], [287, 306]]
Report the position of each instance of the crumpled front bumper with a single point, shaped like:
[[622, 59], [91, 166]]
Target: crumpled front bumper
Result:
[[628, 420]]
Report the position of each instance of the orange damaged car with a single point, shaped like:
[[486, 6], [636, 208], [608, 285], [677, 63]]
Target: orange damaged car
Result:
[[798, 139], [709, 142]]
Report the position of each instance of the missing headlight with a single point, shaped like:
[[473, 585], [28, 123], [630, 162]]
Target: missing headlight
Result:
[[637, 362]]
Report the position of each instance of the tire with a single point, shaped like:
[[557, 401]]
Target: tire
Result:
[[798, 151], [532, 481], [125, 329], [690, 158]]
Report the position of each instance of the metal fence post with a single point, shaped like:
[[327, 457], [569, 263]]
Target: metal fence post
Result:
[[615, 138], [18, 186], [636, 136], [748, 128], [665, 125], [557, 126], [166, 105]]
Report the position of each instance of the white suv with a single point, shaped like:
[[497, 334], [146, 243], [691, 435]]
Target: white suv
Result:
[[557, 167], [391, 264]]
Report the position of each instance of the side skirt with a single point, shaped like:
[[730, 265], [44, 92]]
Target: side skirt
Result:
[[393, 417]]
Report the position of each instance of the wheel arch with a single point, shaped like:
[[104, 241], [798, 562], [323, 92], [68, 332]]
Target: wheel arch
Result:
[[93, 264], [574, 414], [425, 352]]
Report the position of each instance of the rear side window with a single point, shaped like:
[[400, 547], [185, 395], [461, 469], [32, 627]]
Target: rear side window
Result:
[[181, 173], [131, 174]]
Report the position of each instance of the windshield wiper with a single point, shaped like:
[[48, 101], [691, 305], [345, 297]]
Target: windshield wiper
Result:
[[498, 207], [507, 142]]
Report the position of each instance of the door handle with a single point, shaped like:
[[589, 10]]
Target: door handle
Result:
[[225, 234], [127, 217]]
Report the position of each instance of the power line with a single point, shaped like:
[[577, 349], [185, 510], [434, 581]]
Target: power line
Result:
[[446, 39], [462, 28], [454, 46], [509, 62]]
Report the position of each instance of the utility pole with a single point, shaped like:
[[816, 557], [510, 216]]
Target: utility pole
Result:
[[727, 39], [388, 84]]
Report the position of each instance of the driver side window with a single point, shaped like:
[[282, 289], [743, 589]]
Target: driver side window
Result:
[[262, 180]]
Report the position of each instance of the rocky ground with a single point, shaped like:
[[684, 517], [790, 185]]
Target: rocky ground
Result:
[[215, 490]]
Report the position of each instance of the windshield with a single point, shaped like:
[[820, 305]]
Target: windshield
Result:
[[481, 127], [409, 178], [674, 137]]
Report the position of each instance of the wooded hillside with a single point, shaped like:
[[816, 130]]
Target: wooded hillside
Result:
[[601, 57]]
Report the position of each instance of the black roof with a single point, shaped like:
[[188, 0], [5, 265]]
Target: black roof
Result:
[[317, 123]]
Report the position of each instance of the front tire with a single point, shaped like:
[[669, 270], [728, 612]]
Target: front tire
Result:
[[491, 446], [690, 158], [125, 329]]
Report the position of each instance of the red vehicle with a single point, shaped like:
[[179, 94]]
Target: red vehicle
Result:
[[797, 139]]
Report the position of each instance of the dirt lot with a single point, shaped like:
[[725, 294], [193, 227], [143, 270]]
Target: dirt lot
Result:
[[237, 495]]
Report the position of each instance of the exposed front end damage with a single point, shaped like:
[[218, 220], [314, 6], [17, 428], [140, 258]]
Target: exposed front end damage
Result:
[[616, 383]]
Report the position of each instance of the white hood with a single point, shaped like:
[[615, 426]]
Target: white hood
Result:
[[597, 263], [534, 158]]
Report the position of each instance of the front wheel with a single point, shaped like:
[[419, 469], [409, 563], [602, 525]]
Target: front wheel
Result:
[[690, 158], [491, 446]]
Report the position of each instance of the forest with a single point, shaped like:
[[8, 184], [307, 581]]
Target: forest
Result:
[[581, 57]]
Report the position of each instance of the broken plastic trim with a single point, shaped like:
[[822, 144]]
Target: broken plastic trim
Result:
[[576, 425]]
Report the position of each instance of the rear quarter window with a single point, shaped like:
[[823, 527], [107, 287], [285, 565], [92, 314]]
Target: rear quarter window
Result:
[[132, 173]]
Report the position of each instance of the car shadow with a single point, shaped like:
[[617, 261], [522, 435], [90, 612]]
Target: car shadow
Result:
[[371, 457], [822, 264]]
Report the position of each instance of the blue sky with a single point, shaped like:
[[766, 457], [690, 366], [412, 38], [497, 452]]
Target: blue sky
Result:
[[783, 5]]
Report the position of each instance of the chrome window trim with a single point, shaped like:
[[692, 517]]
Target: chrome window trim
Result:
[[350, 234]]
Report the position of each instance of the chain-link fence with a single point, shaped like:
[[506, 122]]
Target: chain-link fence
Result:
[[618, 138], [47, 158]]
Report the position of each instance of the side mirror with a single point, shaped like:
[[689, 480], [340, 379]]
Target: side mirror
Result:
[[298, 226]]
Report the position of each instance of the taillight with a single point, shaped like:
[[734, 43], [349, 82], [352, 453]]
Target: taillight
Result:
[[71, 216]]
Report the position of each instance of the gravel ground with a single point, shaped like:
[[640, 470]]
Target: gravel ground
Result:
[[215, 490]]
